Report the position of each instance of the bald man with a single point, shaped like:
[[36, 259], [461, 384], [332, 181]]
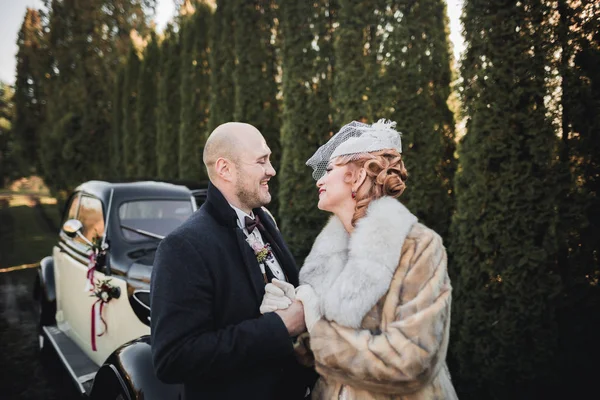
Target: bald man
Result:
[[208, 285]]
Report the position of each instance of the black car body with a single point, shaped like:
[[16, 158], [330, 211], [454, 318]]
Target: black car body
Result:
[[93, 291]]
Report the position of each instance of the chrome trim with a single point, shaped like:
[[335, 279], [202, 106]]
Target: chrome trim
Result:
[[47, 330], [88, 377], [121, 381], [143, 232], [139, 301], [74, 253], [112, 192]]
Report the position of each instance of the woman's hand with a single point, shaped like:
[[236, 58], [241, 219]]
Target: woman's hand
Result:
[[310, 300], [277, 296]]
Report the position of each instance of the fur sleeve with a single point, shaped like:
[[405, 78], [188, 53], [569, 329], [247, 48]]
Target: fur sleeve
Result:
[[409, 350]]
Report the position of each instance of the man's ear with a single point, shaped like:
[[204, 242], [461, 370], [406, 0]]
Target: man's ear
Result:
[[360, 179], [224, 169]]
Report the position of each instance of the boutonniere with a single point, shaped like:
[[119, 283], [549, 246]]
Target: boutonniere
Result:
[[261, 251]]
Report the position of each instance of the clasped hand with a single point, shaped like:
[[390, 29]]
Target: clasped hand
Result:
[[279, 295]]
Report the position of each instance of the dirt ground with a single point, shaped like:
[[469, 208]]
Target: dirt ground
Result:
[[27, 232], [23, 374]]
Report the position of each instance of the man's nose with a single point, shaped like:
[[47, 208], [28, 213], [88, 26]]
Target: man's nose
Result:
[[270, 170]]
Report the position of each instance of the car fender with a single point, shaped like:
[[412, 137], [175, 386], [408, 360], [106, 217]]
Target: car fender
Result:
[[129, 371], [46, 279]]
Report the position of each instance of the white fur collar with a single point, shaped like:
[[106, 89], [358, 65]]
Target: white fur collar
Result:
[[350, 273]]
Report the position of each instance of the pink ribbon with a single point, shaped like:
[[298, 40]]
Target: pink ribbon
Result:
[[91, 269], [93, 330]]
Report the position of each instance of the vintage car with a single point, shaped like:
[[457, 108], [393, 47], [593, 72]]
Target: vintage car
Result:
[[93, 291]]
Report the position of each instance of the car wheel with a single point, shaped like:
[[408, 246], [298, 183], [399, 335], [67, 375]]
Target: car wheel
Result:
[[46, 316], [46, 312]]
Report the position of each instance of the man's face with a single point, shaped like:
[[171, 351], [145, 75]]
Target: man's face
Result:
[[253, 172]]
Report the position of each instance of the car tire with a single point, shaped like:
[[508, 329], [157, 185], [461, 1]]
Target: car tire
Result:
[[46, 316], [46, 310]]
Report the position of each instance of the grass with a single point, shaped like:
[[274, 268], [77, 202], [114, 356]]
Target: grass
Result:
[[27, 232]]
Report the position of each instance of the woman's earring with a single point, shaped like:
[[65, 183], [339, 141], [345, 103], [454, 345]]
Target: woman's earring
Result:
[[353, 194]]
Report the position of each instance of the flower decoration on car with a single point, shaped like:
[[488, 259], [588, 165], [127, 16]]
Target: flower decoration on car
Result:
[[104, 292], [96, 258]]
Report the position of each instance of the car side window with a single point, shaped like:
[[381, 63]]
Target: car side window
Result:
[[72, 209], [91, 217]]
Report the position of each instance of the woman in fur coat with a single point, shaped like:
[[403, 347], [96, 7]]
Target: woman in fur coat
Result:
[[375, 286]]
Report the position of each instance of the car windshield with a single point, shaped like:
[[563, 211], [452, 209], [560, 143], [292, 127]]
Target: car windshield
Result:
[[144, 219]]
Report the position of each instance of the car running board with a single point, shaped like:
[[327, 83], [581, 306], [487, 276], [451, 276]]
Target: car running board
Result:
[[81, 368]]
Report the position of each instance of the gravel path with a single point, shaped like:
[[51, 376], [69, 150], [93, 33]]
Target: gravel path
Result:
[[23, 374]]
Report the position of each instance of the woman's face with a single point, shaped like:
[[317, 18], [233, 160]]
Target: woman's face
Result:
[[335, 189]]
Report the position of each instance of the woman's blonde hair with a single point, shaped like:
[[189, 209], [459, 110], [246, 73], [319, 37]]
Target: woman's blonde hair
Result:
[[386, 176]]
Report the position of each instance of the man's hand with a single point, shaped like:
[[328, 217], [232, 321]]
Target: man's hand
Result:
[[293, 318], [288, 289], [274, 299]]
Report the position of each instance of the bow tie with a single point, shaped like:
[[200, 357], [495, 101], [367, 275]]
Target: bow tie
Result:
[[253, 223]]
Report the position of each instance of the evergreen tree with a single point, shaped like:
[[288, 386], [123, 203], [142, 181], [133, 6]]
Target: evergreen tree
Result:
[[254, 76], [86, 42], [145, 149], [194, 93], [222, 66], [116, 137], [574, 35], [169, 106], [27, 98], [7, 167], [130, 99], [417, 80], [353, 70], [503, 233], [393, 62], [306, 116]]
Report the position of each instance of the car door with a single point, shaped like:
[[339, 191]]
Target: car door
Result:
[[76, 295], [61, 254], [119, 323]]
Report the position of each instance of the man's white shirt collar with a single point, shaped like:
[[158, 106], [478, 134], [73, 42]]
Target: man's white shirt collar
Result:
[[241, 215]]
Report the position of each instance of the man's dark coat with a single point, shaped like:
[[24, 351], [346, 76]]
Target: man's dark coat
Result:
[[207, 331]]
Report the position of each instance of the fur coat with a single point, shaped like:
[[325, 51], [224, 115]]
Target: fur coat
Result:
[[384, 295]]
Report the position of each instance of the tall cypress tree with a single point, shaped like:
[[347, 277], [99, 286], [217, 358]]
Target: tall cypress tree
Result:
[[222, 65], [352, 72], [146, 110], [169, 103], [416, 84], [130, 99], [86, 43], [503, 232], [28, 99], [393, 62], [306, 123], [254, 76], [194, 93], [575, 36], [7, 167], [52, 159], [116, 134]]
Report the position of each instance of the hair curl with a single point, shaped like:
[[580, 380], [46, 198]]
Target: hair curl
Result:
[[386, 176]]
